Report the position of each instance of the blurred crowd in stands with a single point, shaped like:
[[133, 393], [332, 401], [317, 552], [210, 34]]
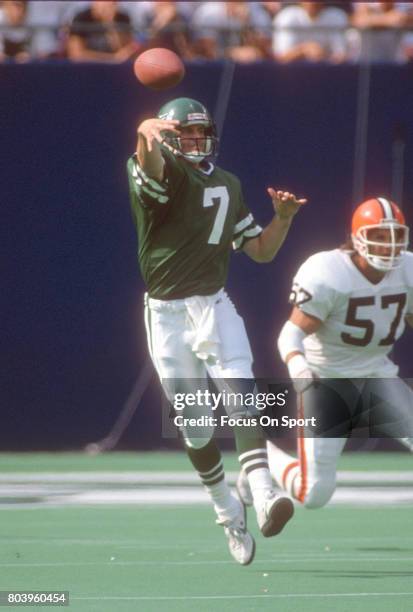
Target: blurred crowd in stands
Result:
[[109, 31]]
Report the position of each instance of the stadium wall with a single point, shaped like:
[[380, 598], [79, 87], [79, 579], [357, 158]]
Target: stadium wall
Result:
[[73, 338]]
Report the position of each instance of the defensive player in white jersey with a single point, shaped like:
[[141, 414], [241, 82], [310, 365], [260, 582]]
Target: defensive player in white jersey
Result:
[[349, 307]]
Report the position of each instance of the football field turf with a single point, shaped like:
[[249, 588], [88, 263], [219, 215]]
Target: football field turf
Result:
[[133, 532]]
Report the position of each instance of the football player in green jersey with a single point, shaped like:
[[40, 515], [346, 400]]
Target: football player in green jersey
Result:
[[188, 214]]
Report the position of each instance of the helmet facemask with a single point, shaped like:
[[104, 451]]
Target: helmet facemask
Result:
[[396, 245], [193, 149], [190, 112]]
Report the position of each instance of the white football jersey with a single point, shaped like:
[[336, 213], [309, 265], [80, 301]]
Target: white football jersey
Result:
[[361, 320]]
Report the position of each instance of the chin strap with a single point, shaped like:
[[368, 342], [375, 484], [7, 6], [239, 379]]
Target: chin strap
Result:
[[194, 158]]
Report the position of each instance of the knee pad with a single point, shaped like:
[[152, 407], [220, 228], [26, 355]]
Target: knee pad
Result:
[[196, 426], [196, 443], [408, 443]]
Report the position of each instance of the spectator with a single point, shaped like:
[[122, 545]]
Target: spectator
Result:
[[15, 36], [101, 33], [140, 14], [34, 27], [302, 32], [186, 9], [379, 37], [47, 18], [166, 27], [239, 30], [271, 8]]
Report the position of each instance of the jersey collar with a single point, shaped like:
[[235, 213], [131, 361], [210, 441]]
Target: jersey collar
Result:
[[206, 168], [353, 266]]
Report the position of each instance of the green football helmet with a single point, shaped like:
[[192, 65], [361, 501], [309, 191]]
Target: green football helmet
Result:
[[190, 112]]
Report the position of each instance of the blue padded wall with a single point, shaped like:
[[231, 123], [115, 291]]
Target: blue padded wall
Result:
[[73, 338]]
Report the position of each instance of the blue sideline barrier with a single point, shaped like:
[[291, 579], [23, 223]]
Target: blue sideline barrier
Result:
[[73, 338]]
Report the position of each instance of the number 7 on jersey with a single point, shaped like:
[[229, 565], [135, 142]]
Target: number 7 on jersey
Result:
[[211, 194]]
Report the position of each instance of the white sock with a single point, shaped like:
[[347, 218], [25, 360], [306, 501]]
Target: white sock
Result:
[[261, 486], [284, 468], [255, 465], [224, 503], [219, 492]]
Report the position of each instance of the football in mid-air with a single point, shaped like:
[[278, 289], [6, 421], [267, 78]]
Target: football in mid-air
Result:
[[159, 68]]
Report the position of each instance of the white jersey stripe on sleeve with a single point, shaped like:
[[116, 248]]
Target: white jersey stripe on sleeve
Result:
[[254, 231], [243, 223], [152, 183], [249, 233], [156, 196]]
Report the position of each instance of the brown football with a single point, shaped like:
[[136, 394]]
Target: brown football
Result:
[[159, 68]]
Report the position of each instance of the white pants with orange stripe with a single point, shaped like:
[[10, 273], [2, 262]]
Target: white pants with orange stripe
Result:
[[311, 478], [190, 338], [385, 406]]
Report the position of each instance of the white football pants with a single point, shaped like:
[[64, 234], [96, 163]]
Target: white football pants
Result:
[[311, 478], [188, 338]]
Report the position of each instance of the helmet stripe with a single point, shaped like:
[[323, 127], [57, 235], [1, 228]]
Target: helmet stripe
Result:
[[387, 209]]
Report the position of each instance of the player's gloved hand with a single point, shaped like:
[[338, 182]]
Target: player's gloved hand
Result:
[[300, 373]]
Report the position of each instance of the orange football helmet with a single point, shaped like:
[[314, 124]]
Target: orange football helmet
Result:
[[380, 213]]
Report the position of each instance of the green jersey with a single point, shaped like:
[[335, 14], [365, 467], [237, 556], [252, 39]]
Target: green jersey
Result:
[[186, 226]]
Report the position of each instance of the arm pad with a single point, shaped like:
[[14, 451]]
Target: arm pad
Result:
[[290, 340]]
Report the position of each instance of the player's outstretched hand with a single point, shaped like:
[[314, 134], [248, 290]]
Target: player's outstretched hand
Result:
[[151, 129], [285, 203]]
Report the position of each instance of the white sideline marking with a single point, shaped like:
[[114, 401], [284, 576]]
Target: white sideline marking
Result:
[[184, 477], [49, 496], [55, 489]]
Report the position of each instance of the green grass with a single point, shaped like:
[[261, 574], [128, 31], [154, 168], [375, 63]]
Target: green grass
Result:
[[172, 552], [170, 460], [170, 558]]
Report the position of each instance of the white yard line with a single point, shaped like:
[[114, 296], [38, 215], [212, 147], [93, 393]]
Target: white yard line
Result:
[[191, 562], [218, 597]]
